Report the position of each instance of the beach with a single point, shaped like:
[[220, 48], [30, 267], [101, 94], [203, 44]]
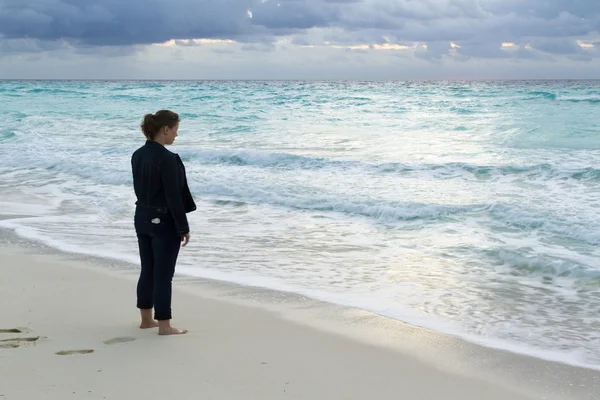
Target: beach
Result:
[[78, 339], [426, 240], [386, 200], [466, 208]]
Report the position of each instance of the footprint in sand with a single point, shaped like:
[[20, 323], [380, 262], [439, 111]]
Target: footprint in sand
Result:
[[14, 342], [70, 352], [118, 340], [15, 330], [20, 339], [12, 330]]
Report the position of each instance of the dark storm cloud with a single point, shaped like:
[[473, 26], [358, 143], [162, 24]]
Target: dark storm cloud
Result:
[[454, 20], [478, 26], [116, 22]]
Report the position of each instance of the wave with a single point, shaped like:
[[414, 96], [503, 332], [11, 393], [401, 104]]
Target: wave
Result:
[[204, 97], [7, 134], [104, 159], [286, 161], [131, 97], [463, 110], [593, 98], [11, 88], [375, 209], [547, 95], [256, 158], [55, 91], [528, 221], [136, 86], [589, 98], [117, 173], [541, 265], [500, 216]]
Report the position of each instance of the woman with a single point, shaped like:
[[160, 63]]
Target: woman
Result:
[[163, 199]]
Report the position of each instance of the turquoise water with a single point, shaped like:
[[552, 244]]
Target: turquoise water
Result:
[[471, 208]]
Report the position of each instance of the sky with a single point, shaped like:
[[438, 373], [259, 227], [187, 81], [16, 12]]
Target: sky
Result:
[[300, 39]]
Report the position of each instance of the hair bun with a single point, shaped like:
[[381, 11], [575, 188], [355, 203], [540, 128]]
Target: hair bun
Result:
[[153, 123]]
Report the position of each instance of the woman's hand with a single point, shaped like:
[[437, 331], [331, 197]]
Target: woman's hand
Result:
[[185, 237]]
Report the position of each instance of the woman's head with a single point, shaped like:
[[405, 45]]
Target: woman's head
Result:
[[161, 126]]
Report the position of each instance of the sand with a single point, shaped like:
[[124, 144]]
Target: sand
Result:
[[69, 331]]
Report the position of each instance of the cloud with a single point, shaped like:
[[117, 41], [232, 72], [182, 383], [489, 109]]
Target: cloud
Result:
[[289, 16], [112, 22], [258, 47], [559, 46], [287, 61], [20, 46], [477, 27]]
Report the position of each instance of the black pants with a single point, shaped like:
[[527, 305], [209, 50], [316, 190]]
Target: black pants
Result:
[[159, 247]]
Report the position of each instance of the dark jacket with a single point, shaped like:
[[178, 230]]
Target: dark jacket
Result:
[[160, 182]]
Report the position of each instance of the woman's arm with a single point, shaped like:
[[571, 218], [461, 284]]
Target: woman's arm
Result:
[[172, 185]]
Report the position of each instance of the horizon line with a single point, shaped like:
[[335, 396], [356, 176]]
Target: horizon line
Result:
[[298, 79]]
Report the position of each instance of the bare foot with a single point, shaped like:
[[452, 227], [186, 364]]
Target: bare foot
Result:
[[148, 324], [147, 320], [165, 328], [171, 331]]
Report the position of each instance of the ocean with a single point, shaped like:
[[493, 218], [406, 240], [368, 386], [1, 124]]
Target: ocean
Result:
[[470, 208]]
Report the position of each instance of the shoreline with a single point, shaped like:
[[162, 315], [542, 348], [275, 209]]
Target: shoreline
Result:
[[438, 353], [211, 283]]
